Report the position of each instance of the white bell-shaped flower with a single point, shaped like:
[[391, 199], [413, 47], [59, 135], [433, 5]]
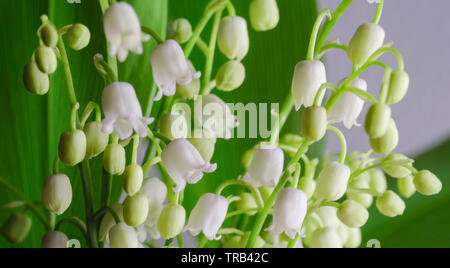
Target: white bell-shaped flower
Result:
[[233, 39], [184, 163], [333, 181], [218, 120], [289, 212], [156, 192], [170, 67], [208, 216], [123, 111], [308, 77], [266, 167], [123, 30], [349, 106]]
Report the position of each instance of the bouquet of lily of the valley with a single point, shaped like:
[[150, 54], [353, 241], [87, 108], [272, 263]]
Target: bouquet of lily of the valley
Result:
[[284, 199]]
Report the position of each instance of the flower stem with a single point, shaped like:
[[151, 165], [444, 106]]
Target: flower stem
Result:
[[196, 34], [286, 109], [153, 34], [343, 143], [377, 17], [75, 221], [67, 72], [312, 43], [86, 179], [255, 192]]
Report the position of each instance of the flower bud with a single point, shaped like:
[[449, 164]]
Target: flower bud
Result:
[[233, 39], [378, 120], [180, 30], [264, 14], [46, 59], [314, 123], [156, 192], [230, 76], [205, 146], [190, 90], [54, 239], [57, 193], [387, 142], [114, 159], [266, 167], [247, 202], [406, 186], [307, 185], [49, 35], [174, 126], [171, 221], [78, 36], [353, 214], [135, 210], [266, 192], [427, 183], [123, 236], [398, 86], [72, 147], [308, 77], [397, 171], [16, 227], [332, 181], [354, 238], [108, 222], [133, 177], [96, 140], [34, 80], [390, 204], [327, 237], [378, 182], [361, 182], [367, 40]]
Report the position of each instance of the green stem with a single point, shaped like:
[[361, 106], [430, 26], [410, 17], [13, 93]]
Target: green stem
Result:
[[262, 216], [134, 154], [75, 221], [255, 192], [67, 72], [88, 111], [153, 34], [231, 10], [377, 17], [319, 92], [343, 142], [107, 180], [286, 109], [385, 87], [86, 179], [112, 61], [180, 241], [323, 50], [196, 34], [315, 32]]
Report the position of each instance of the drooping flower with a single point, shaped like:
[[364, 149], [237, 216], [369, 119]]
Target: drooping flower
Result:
[[349, 106], [123, 111], [184, 163], [308, 77], [233, 39], [266, 167], [123, 236], [170, 67], [156, 192], [218, 120], [54, 239], [332, 181], [123, 30], [289, 212], [208, 216], [57, 193]]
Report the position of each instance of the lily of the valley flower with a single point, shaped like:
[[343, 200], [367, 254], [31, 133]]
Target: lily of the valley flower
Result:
[[349, 106], [170, 67], [184, 163], [208, 216], [266, 167], [156, 192], [218, 120], [308, 77], [289, 212], [123, 111], [123, 30]]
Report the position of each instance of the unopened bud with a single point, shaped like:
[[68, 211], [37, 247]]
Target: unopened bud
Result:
[[353, 214], [326, 238], [114, 159], [367, 40], [46, 59], [190, 90], [54, 239], [314, 123], [123, 236], [171, 221], [264, 14], [180, 30], [406, 186], [378, 120], [247, 203], [378, 182], [388, 142], [72, 147], [390, 204], [49, 35], [78, 36], [233, 39], [108, 222], [354, 238], [57, 193], [397, 171], [332, 181], [133, 178], [174, 126], [361, 182], [230, 76], [427, 183], [35, 81], [398, 86], [135, 210], [204, 145], [307, 185], [96, 139], [16, 227]]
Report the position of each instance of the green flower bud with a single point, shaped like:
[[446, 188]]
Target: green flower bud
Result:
[[49, 35], [361, 182], [230, 76], [266, 192], [378, 182], [108, 222], [46, 59], [390, 204], [190, 90], [406, 186], [427, 183], [398, 86], [397, 171], [353, 214], [171, 221], [174, 126], [332, 181], [368, 38], [247, 202], [72, 147], [78, 36], [180, 30], [326, 238], [308, 186], [133, 178], [388, 142], [378, 120], [16, 227], [57, 193], [135, 209], [314, 123], [123, 236], [96, 139], [54, 239], [354, 238], [34, 80], [264, 14], [205, 146], [114, 159]]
